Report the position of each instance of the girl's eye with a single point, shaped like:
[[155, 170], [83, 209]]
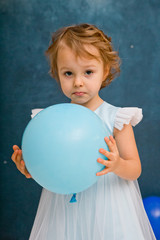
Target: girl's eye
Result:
[[89, 72], [68, 74]]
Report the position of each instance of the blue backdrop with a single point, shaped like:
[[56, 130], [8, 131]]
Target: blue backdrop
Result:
[[26, 28]]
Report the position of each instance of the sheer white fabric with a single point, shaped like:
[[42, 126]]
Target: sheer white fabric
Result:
[[35, 111], [111, 209], [127, 115]]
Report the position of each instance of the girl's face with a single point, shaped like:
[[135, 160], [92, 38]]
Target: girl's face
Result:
[[80, 78]]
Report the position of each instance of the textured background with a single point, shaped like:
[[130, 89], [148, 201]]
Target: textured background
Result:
[[26, 28]]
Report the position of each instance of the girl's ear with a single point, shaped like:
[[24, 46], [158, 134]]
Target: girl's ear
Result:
[[106, 72]]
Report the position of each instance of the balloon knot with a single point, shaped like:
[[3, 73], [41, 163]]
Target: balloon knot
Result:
[[73, 199]]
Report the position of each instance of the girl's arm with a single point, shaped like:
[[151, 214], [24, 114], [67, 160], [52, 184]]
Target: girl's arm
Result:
[[123, 158]]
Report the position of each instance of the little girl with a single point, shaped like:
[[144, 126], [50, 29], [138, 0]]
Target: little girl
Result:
[[82, 60]]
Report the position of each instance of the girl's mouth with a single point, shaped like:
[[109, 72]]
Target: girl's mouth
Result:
[[79, 93]]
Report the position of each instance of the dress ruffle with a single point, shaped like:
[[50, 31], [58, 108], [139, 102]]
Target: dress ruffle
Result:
[[128, 115], [35, 111]]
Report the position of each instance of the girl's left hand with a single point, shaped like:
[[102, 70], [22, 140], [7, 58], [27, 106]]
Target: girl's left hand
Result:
[[113, 157]]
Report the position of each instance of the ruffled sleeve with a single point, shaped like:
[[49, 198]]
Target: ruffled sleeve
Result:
[[35, 111], [128, 115]]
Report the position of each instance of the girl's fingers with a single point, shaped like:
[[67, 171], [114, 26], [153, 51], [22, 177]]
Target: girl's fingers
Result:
[[111, 143], [112, 139], [103, 172], [20, 164], [15, 147], [14, 156], [19, 155], [15, 153], [23, 169], [28, 175], [17, 158], [104, 162], [106, 153]]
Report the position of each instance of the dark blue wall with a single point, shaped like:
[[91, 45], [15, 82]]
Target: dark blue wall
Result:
[[26, 28]]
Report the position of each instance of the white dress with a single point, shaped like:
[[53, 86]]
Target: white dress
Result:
[[111, 209]]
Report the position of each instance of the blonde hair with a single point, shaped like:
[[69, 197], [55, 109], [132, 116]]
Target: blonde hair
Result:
[[77, 37]]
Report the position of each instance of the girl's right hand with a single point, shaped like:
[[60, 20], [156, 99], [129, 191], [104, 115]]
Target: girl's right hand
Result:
[[20, 164]]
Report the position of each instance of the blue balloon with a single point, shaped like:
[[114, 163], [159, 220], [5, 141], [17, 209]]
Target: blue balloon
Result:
[[152, 207], [60, 147]]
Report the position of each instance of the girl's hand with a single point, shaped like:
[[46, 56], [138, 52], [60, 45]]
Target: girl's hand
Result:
[[113, 157], [17, 159]]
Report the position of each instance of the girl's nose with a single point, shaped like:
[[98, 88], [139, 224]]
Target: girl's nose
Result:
[[78, 81]]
